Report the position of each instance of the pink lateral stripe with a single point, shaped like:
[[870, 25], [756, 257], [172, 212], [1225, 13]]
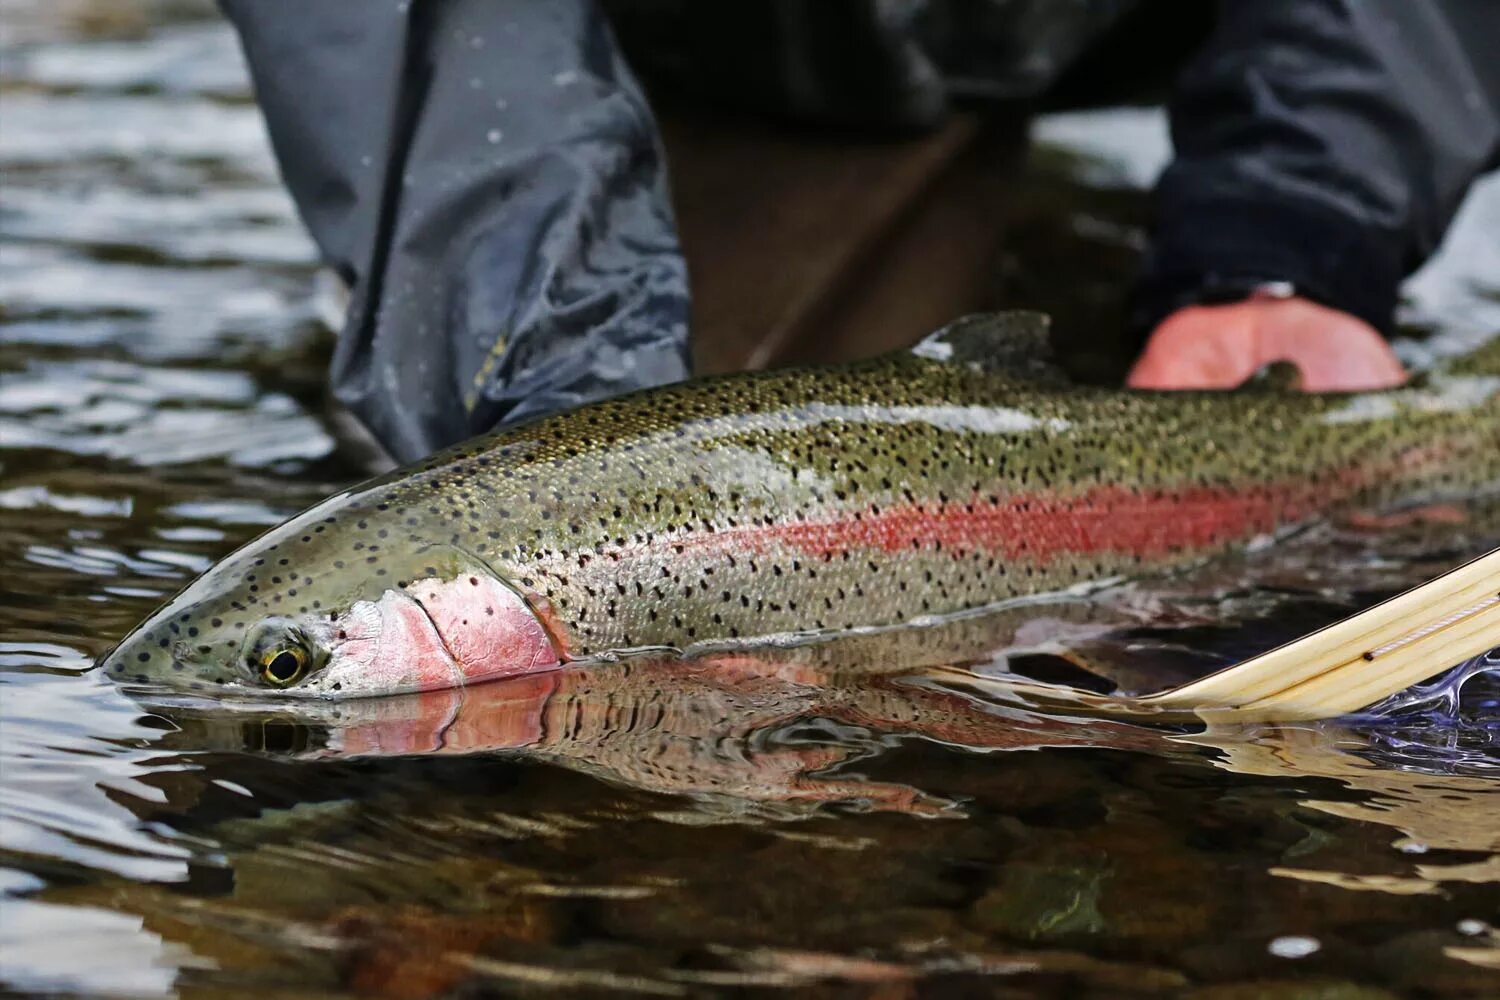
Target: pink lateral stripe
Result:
[[1041, 526]]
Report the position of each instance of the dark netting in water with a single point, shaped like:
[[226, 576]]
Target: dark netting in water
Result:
[[1455, 694], [1450, 725]]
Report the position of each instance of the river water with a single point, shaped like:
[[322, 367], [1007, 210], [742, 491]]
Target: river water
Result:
[[631, 830]]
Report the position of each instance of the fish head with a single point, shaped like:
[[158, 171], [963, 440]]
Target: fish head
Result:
[[340, 605]]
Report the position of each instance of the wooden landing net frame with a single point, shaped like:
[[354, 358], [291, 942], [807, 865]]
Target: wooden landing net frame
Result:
[[1334, 671]]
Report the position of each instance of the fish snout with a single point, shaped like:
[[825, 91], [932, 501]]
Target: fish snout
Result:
[[145, 658]]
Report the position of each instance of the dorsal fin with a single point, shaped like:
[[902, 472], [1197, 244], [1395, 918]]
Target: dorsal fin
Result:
[[1015, 343], [1277, 376]]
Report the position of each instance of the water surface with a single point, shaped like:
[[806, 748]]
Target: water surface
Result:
[[662, 830]]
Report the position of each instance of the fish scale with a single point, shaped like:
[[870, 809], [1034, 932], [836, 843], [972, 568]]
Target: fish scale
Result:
[[917, 485]]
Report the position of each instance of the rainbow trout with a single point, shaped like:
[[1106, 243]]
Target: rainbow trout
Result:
[[960, 474]]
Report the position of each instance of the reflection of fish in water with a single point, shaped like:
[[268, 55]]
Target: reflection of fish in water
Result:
[[924, 483], [744, 727]]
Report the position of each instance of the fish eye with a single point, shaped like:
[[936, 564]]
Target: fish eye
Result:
[[278, 652], [283, 666]]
